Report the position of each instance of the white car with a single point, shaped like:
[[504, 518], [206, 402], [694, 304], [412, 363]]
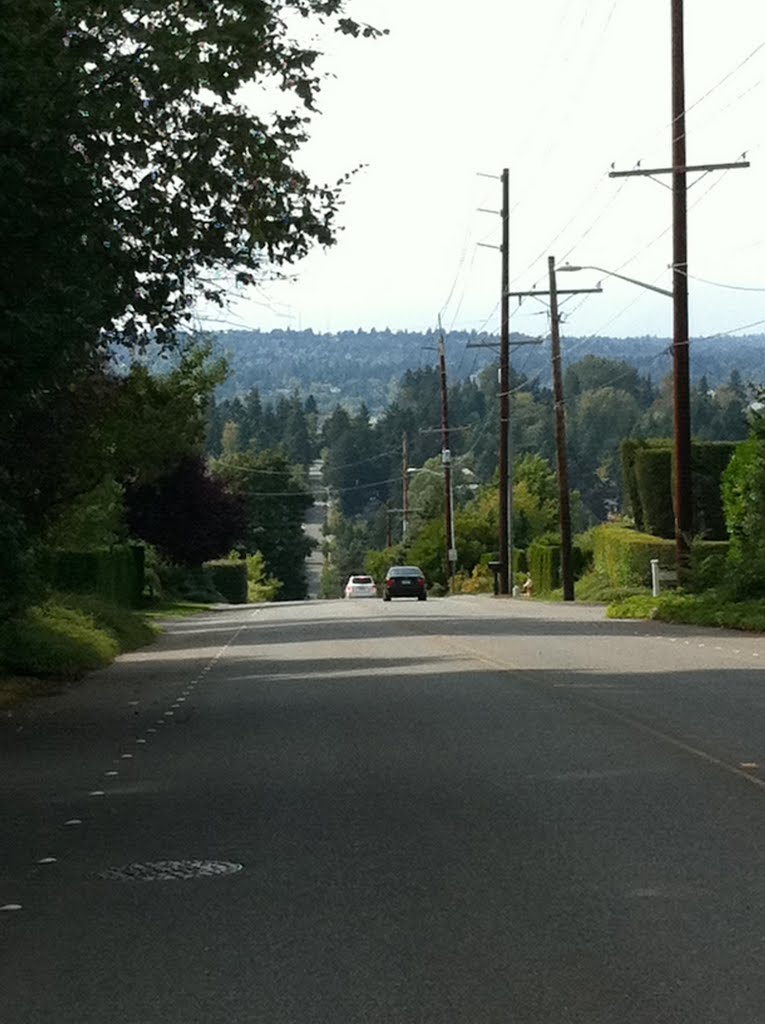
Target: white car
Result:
[[360, 586]]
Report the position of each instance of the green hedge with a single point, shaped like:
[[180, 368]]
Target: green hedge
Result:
[[629, 449], [709, 460], [653, 471], [624, 556], [544, 564], [229, 577], [115, 574], [648, 474]]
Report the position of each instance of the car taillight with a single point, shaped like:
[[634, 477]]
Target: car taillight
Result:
[[389, 582], [421, 581]]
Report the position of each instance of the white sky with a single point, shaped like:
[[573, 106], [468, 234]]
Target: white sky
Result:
[[556, 90]]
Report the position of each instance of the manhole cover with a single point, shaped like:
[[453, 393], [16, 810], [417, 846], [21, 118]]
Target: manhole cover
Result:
[[171, 870]]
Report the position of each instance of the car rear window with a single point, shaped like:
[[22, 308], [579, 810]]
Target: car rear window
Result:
[[361, 579], [405, 570]]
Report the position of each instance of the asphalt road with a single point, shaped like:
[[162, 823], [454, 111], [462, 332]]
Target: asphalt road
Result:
[[462, 811]]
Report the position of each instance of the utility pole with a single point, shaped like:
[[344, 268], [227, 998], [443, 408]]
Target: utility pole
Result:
[[388, 527], [564, 497], [405, 494], [681, 386], [564, 500], [505, 540], [681, 391], [505, 468], [446, 458]]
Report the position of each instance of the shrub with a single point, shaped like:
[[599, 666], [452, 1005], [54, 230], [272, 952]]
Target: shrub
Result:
[[480, 581], [229, 577], [129, 629], [51, 640], [653, 471], [180, 582], [629, 449], [709, 460], [623, 556], [18, 579], [115, 574], [709, 565], [260, 586], [711, 609], [743, 492], [544, 566]]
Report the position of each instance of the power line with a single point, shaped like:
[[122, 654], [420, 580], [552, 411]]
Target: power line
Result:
[[720, 284]]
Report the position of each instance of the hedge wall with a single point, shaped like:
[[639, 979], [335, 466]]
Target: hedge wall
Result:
[[624, 556], [116, 574], [544, 566], [229, 578], [648, 480], [709, 460], [629, 449], [653, 471]]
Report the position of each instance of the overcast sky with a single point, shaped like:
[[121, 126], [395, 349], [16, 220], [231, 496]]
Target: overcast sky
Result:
[[557, 91]]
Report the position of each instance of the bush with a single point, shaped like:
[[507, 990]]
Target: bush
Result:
[[544, 566], [129, 629], [743, 492], [709, 460], [544, 563], [653, 472], [52, 640], [261, 586], [229, 577], [629, 449], [711, 609], [480, 581], [709, 565], [623, 556], [182, 583], [594, 588], [115, 574]]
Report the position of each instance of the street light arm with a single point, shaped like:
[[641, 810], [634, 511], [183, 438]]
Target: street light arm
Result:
[[622, 277]]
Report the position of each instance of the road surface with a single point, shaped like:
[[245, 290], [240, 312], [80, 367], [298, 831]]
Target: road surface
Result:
[[470, 810]]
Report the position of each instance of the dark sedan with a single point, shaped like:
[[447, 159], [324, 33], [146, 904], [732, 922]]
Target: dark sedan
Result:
[[405, 581]]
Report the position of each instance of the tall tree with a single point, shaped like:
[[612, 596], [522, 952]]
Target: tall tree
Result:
[[133, 180]]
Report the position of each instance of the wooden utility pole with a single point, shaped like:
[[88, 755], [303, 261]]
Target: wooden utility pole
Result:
[[405, 486], [564, 497], [446, 458], [567, 565], [505, 469], [681, 386]]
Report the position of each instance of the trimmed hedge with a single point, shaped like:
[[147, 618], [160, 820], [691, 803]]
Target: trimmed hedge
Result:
[[709, 460], [648, 475], [229, 577], [115, 574], [653, 472], [629, 449], [624, 556], [544, 564]]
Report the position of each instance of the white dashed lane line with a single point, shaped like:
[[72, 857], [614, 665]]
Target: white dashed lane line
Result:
[[112, 773]]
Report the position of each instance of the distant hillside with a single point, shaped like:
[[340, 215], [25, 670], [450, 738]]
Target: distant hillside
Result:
[[363, 366]]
